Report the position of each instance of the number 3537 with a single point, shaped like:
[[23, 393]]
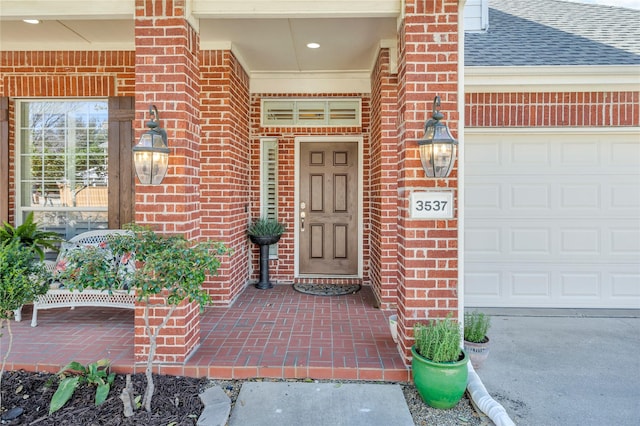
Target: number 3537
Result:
[[432, 205]]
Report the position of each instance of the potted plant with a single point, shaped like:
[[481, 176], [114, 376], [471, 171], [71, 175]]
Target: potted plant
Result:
[[439, 366], [476, 341], [264, 232]]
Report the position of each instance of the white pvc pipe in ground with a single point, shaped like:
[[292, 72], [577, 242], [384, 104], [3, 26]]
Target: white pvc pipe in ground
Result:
[[483, 400]]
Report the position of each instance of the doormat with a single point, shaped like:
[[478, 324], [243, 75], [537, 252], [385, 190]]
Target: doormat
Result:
[[326, 289]]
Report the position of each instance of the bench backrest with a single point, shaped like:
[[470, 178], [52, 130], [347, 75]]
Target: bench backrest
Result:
[[94, 238]]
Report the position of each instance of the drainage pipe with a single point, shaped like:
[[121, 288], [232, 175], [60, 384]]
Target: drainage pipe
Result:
[[483, 400]]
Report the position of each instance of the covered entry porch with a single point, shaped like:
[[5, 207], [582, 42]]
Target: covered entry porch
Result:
[[279, 333]]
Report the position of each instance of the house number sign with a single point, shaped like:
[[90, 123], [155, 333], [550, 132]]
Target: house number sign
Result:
[[432, 205]]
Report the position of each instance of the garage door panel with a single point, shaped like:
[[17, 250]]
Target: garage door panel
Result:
[[546, 285], [557, 240], [552, 220]]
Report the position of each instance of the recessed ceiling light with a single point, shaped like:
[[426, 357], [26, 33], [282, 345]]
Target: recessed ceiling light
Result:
[[31, 21], [313, 45]]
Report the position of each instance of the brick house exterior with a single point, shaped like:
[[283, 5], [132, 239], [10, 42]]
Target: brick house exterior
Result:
[[213, 117]]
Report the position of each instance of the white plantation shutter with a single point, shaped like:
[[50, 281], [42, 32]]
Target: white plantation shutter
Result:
[[311, 112], [269, 183]]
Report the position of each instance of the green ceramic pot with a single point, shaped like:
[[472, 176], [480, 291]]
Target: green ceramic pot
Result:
[[441, 385]]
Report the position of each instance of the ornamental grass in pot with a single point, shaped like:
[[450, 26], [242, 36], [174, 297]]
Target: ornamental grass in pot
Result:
[[264, 232], [476, 341], [439, 365]]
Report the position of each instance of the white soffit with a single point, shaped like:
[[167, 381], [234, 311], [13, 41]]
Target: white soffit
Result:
[[551, 78], [296, 8], [310, 83], [67, 9]]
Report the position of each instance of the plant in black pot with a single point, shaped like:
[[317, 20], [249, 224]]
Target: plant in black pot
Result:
[[439, 365], [264, 232], [476, 341]]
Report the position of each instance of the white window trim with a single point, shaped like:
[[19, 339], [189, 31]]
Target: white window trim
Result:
[[20, 210]]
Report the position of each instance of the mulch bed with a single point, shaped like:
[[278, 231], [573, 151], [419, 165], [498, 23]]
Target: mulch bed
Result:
[[175, 400]]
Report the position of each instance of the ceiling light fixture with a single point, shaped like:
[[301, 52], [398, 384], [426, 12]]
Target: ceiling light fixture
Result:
[[31, 21], [313, 45]]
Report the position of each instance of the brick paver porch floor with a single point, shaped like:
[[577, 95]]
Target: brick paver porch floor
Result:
[[277, 333]]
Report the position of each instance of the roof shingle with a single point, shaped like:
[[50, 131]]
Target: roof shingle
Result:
[[551, 32]]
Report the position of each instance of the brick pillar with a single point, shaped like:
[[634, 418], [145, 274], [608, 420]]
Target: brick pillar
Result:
[[427, 249], [167, 76], [225, 168], [384, 183]]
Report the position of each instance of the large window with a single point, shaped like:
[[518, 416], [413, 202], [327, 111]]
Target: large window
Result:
[[62, 167]]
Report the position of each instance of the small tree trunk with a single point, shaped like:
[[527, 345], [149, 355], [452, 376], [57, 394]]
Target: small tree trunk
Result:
[[153, 338], [127, 397], [6, 356]]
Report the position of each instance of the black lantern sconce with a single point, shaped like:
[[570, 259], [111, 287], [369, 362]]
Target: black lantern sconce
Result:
[[151, 154], [437, 147]]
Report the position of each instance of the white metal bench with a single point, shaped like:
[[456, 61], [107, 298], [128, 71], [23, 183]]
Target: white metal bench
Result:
[[65, 298]]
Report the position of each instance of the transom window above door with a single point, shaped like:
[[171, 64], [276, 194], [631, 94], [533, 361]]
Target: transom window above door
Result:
[[63, 164], [311, 112]]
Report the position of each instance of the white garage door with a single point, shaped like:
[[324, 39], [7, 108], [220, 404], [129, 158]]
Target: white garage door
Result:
[[552, 218]]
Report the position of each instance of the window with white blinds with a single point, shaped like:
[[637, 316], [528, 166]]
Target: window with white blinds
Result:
[[311, 112], [269, 183]]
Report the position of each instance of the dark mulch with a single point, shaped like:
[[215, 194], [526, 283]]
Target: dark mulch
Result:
[[175, 400]]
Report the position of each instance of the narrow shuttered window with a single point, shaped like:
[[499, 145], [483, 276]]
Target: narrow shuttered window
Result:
[[269, 183]]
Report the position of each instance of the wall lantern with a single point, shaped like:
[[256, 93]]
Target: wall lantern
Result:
[[151, 154], [437, 147]]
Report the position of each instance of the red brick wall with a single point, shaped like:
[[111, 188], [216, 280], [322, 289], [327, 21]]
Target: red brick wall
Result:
[[61, 74], [167, 76], [427, 249], [224, 170], [384, 184], [576, 109], [283, 268]]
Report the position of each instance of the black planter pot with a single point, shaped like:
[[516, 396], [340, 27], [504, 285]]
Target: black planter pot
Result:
[[264, 242]]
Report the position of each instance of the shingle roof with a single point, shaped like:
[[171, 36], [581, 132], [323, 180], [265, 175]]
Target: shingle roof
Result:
[[551, 32]]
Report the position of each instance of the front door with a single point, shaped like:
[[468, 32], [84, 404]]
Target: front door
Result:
[[328, 222]]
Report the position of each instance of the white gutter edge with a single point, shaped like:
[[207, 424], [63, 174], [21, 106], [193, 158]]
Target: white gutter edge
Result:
[[484, 401]]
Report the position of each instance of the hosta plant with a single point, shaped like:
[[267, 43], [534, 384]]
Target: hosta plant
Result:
[[75, 374]]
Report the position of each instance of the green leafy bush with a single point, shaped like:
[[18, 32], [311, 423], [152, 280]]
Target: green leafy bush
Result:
[[171, 266], [264, 227], [30, 235], [476, 326], [22, 279], [439, 340], [74, 374]]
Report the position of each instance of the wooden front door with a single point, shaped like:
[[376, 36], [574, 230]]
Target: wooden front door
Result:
[[328, 230]]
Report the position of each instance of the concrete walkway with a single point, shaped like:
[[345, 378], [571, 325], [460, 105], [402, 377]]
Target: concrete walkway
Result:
[[320, 404], [567, 367]]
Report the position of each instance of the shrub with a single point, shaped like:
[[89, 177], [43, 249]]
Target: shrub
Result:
[[30, 235], [439, 341], [476, 325]]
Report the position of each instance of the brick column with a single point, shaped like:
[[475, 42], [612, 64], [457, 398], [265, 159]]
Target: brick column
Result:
[[427, 249], [384, 183], [167, 76]]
